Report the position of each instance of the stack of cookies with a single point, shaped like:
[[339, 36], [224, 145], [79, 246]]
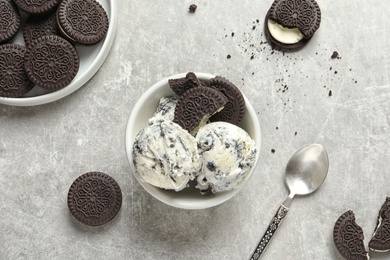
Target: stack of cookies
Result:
[[51, 31]]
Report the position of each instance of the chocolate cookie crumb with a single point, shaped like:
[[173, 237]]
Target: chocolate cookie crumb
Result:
[[334, 55], [228, 56], [330, 93], [272, 150], [193, 8]]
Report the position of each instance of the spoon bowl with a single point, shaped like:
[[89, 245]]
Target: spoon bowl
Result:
[[305, 172], [307, 169]]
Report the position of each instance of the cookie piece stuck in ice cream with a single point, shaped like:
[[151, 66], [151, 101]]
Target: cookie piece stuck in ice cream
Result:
[[234, 110], [196, 106], [348, 237], [290, 24], [380, 240]]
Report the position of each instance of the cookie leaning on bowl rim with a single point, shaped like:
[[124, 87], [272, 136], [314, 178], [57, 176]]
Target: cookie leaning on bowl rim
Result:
[[83, 22], [302, 15], [51, 62]]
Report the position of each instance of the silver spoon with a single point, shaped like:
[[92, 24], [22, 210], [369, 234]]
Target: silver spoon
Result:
[[305, 172]]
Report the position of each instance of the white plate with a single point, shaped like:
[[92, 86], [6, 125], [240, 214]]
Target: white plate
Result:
[[91, 59], [189, 198]]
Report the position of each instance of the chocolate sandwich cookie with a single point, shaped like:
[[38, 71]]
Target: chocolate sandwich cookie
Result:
[[290, 24], [380, 240], [94, 198], [82, 21], [37, 26], [234, 110], [196, 105], [51, 62], [179, 86], [37, 7], [348, 237], [13, 78], [9, 20]]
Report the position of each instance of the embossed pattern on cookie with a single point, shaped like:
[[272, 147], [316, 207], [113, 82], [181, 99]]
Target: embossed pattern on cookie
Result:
[[51, 62], [234, 110], [82, 21], [13, 78], [9, 20], [94, 198], [37, 7], [195, 107], [37, 26], [348, 237]]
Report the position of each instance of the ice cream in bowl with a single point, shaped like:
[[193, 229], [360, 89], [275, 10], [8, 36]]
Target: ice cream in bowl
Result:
[[193, 140]]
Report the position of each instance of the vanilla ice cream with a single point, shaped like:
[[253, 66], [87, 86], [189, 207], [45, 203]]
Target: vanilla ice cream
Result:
[[165, 155], [227, 154]]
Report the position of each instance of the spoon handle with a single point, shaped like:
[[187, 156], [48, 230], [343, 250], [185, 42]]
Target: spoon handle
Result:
[[273, 226]]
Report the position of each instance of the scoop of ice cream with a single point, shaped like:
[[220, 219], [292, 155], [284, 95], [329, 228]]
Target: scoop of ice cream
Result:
[[227, 154], [165, 155], [165, 109]]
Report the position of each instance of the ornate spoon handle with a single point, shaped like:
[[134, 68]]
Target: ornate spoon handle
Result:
[[273, 226]]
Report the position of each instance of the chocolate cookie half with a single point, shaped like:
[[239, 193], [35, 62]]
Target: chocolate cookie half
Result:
[[82, 21], [181, 85], [51, 62], [380, 240], [234, 110], [196, 105], [94, 198], [9, 20], [13, 78], [348, 237], [290, 24]]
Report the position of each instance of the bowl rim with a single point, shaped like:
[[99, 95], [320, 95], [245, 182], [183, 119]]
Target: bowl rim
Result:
[[208, 202]]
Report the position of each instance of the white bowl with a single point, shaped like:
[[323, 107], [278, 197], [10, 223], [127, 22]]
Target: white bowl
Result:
[[91, 59], [189, 198]]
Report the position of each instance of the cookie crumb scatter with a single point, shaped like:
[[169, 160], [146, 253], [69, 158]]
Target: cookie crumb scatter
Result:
[[232, 34], [228, 56], [295, 133], [334, 55], [193, 8], [272, 150], [330, 93]]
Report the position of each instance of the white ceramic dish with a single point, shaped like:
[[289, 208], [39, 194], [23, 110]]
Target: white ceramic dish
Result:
[[188, 198], [91, 59]]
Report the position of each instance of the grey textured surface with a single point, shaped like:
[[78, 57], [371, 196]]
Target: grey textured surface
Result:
[[44, 148]]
